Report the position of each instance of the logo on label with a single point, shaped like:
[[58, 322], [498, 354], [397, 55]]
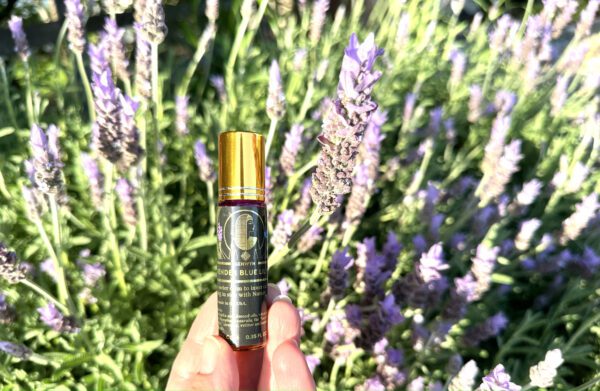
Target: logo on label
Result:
[[244, 234]]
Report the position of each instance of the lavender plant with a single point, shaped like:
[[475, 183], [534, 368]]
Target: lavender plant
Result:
[[433, 193]]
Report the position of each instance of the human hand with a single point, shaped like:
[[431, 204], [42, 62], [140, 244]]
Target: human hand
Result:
[[207, 362]]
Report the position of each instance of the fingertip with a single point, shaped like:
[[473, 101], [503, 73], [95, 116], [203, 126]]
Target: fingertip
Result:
[[205, 323], [272, 292], [283, 322], [290, 368]]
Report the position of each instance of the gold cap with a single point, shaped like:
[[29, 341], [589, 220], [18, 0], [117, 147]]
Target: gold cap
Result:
[[241, 166]]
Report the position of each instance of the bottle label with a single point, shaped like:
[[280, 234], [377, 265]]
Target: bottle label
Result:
[[242, 274]]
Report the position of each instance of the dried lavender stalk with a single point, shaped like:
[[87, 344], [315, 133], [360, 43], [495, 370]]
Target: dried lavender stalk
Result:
[[319, 13], [345, 124], [46, 162], [143, 60], [293, 140], [204, 163], [116, 50], [126, 194], [10, 269], [75, 23], [15, 24], [153, 22], [95, 179]]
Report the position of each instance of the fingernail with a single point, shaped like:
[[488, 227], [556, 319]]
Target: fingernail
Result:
[[282, 298], [208, 355]]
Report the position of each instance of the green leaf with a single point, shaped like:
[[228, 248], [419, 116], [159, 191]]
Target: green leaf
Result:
[[110, 364], [6, 131], [502, 279], [199, 242], [143, 347]]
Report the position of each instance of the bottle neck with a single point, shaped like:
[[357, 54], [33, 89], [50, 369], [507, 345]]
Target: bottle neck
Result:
[[241, 203]]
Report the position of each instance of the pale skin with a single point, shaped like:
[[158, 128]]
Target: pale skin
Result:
[[207, 362]]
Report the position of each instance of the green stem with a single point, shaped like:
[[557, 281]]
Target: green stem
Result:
[[488, 75], [306, 103], [233, 54], [86, 86], [207, 36], [29, 97], [60, 277], [109, 219], [528, 10], [156, 99], [582, 329], [141, 209], [324, 248], [42, 292], [334, 373], [270, 136], [211, 207], [587, 384], [3, 189], [9, 106]]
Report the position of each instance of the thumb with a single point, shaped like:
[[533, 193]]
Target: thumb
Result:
[[208, 364], [290, 369]]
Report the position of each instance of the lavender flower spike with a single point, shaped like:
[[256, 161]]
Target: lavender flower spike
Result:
[[212, 10], [125, 192], [494, 181], [16, 350], [543, 374], [143, 59], [116, 50], [15, 24], [317, 20], [584, 212], [465, 379], [106, 129], [345, 123], [153, 22], [46, 162], [95, 179], [57, 321], [275, 99], [284, 228], [338, 272], [75, 24], [10, 269], [205, 166], [181, 115], [498, 380], [293, 140], [132, 151]]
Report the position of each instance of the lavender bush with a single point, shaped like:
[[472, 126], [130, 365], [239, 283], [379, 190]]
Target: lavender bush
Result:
[[432, 189]]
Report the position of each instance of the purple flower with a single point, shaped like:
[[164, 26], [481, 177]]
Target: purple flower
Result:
[[459, 61], [10, 269], [373, 384], [345, 123], [57, 321], [106, 130], [417, 384], [390, 311], [312, 362], [8, 314], [16, 350], [153, 22], [494, 182], [498, 380], [317, 20], [526, 233], [181, 115], [116, 50], [284, 287], [354, 315], [504, 102], [338, 272], [574, 224], [560, 94], [15, 24], [586, 19], [491, 327], [275, 98], [212, 10], [402, 32], [218, 84], [204, 163], [46, 161], [431, 264], [95, 179], [465, 379], [92, 272], [500, 37], [47, 267], [529, 192], [75, 23], [409, 107], [130, 138], [98, 56], [283, 229], [483, 266], [269, 196], [334, 331], [564, 18], [391, 250], [293, 141], [475, 103], [125, 192], [310, 238]]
